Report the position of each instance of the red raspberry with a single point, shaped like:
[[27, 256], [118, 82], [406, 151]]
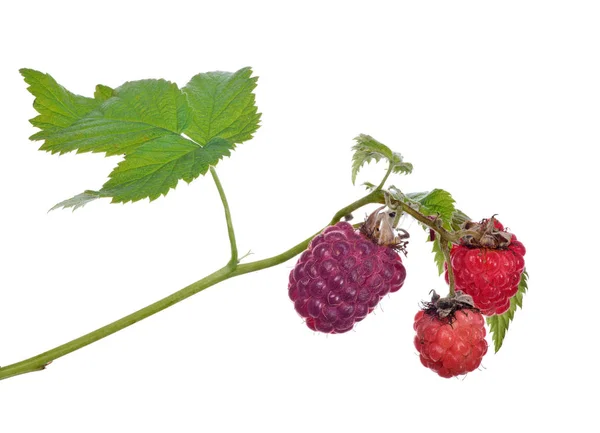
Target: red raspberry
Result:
[[450, 345], [488, 266], [341, 277]]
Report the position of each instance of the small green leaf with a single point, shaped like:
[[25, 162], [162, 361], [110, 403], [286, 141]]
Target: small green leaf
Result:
[[436, 202], [156, 166], [369, 186], [499, 323], [438, 255], [368, 149], [78, 201], [223, 105]]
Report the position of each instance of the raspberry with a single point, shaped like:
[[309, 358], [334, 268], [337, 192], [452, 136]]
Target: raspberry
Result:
[[341, 277], [488, 265], [450, 341]]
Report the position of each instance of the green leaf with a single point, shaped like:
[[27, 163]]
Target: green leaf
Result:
[[95, 133], [158, 103], [369, 186], [137, 112], [57, 106], [438, 255], [499, 323], [399, 166], [436, 202], [155, 167], [368, 149], [78, 201], [223, 105], [165, 133]]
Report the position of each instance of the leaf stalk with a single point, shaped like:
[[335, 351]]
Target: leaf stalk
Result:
[[231, 233]]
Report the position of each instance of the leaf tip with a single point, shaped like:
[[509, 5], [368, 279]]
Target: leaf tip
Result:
[[77, 201]]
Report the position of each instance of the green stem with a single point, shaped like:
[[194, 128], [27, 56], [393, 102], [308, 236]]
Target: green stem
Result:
[[445, 238], [230, 232], [40, 362], [373, 197], [444, 234], [232, 269], [447, 259], [389, 171]]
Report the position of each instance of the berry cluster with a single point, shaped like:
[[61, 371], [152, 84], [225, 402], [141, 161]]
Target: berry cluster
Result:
[[341, 277], [345, 272]]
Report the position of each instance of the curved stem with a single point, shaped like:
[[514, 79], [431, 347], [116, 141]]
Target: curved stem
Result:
[[446, 252], [373, 197], [230, 232], [389, 171], [232, 269]]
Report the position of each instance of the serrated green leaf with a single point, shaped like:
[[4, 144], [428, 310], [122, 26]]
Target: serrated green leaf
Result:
[[438, 255], [499, 323], [96, 133], [436, 202], [158, 103], [137, 112], [155, 167], [78, 201], [57, 106], [368, 149], [399, 166], [369, 186], [146, 121], [223, 105]]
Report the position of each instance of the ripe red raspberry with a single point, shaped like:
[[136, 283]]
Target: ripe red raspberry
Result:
[[450, 341], [488, 266], [341, 277]]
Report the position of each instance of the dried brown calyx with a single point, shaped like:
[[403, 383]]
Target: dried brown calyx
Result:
[[446, 308], [488, 233], [379, 228]]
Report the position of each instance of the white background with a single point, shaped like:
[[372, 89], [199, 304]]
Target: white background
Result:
[[497, 102]]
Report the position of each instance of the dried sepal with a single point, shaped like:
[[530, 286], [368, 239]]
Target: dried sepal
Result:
[[378, 227], [446, 308]]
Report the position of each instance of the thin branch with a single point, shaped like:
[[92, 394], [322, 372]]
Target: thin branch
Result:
[[234, 251], [40, 361]]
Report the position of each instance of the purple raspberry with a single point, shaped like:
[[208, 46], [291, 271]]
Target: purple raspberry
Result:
[[341, 277]]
